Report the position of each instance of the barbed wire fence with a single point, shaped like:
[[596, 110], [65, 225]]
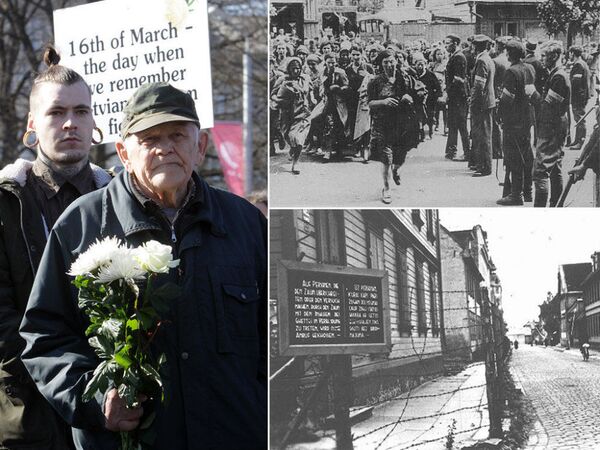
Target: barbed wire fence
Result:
[[418, 355]]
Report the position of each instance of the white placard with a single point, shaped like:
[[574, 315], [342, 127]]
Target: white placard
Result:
[[118, 45]]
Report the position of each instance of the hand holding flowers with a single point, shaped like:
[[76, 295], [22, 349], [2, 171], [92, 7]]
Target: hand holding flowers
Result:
[[123, 325]]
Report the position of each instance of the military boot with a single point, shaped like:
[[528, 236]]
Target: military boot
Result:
[[510, 200]]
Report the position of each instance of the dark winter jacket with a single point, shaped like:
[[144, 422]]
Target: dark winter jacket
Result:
[[214, 337], [26, 419]]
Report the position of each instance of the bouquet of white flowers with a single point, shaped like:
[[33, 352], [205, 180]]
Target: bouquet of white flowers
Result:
[[123, 325]]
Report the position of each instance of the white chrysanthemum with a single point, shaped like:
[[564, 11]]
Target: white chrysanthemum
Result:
[[97, 255], [123, 265], [155, 257]]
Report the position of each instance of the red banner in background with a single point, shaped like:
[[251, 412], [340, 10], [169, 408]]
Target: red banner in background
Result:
[[228, 139]]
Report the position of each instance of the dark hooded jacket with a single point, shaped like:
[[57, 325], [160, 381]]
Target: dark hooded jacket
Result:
[[214, 337], [26, 419]]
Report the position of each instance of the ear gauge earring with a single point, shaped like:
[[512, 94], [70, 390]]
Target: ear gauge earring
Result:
[[99, 141], [26, 139]]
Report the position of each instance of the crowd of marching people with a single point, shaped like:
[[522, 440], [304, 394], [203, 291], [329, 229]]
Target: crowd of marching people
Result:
[[506, 98]]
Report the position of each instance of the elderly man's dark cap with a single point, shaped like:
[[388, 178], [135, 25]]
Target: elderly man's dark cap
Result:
[[453, 38], [156, 103]]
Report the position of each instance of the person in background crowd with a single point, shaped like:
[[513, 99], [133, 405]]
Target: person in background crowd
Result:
[[501, 64], [541, 74], [438, 67], [552, 127], [482, 102], [60, 127], [470, 55], [302, 53], [356, 73], [434, 92], [456, 90], [292, 102], [335, 87], [580, 93], [514, 112], [260, 199]]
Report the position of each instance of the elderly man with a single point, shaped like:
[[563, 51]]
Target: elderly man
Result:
[[214, 335]]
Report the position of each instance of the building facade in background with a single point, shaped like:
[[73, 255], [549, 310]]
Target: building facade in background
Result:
[[569, 297], [591, 303], [404, 244], [462, 277]]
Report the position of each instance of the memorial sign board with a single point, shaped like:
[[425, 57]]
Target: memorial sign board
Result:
[[325, 309]]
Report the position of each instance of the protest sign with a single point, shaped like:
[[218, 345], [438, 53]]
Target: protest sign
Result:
[[118, 45]]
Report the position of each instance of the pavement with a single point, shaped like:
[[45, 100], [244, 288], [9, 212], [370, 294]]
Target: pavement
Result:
[[421, 418], [427, 180], [565, 394]]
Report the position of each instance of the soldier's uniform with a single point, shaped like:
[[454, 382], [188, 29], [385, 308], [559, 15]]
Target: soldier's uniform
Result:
[[552, 132], [541, 75], [483, 100], [456, 88], [501, 64], [514, 111], [592, 157], [580, 94]]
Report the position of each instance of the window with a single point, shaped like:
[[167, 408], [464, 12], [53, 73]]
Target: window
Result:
[[433, 299], [375, 249], [421, 311], [403, 297], [330, 240], [431, 228], [416, 218]]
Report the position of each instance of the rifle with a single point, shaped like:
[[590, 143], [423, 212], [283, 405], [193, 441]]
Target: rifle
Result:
[[585, 151]]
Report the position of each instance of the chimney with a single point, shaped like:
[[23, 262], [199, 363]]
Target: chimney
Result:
[[595, 261]]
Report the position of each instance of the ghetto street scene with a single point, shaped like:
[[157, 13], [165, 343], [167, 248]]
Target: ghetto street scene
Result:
[[431, 104], [419, 328]]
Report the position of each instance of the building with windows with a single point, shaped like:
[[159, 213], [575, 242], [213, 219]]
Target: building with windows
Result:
[[590, 329], [468, 277], [404, 244], [569, 297]]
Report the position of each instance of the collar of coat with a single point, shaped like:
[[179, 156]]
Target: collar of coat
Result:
[[17, 173], [133, 218]]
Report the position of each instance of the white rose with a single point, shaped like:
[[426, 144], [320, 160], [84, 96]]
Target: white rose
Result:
[[155, 257]]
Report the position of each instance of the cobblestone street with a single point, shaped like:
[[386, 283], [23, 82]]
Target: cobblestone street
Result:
[[565, 393]]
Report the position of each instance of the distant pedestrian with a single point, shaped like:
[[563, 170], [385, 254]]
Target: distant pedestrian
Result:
[[516, 344], [585, 350]]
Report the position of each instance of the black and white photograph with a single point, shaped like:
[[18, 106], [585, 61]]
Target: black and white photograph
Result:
[[433, 103], [451, 329]]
